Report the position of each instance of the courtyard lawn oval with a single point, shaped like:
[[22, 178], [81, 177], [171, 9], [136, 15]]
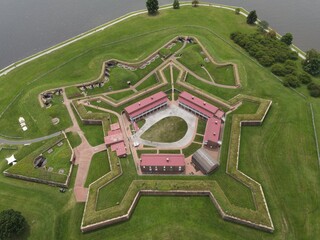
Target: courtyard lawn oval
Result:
[[167, 130]]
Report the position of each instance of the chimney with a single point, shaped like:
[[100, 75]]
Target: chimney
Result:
[[192, 97], [151, 98], [216, 122], [204, 103], [167, 159], [214, 133], [139, 103]]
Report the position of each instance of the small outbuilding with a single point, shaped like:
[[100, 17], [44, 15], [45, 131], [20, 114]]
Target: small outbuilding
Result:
[[204, 161]]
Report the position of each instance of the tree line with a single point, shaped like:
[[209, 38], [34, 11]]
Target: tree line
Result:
[[276, 53], [153, 5]]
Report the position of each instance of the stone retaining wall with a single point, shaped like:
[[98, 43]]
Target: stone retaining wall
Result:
[[36, 180], [127, 216]]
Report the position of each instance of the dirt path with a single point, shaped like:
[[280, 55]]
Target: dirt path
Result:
[[208, 74], [172, 85], [204, 80]]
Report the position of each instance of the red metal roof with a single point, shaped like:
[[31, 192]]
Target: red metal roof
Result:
[[112, 139], [146, 104], [213, 129], [114, 132], [219, 114], [197, 104], [120, 148], [162, 160], [114, 126]]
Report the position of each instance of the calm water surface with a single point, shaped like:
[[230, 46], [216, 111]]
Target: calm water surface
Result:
[[29, 26]]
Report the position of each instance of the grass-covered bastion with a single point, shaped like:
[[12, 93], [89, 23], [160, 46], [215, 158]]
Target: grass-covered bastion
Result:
[[170, 86]]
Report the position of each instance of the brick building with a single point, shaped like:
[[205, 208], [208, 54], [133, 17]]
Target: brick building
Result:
[[146, 106], [162, 163]]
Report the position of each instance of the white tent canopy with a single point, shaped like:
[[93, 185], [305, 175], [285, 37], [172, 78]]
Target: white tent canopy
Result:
[[21, 120], [11, 159]]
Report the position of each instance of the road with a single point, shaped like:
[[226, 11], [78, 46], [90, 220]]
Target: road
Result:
[[22, 142]]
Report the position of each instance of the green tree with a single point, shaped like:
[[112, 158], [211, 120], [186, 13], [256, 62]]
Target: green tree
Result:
[[195, 3], [312, 63], [12, 223], [314, 89], [290, 67], [304, 78], [278, 69], [237, 11], [152, 6], [252, 17], [176, 4], [266, 61], [291, 81], [272, 34], [287, 38]]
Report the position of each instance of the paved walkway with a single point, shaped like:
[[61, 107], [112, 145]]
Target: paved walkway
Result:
[[83, 153], [171, 111]]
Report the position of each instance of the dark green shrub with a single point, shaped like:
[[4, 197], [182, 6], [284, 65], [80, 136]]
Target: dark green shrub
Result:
[[312, 86], [304, 78], [292, 81], [266, 61], [278, 69], [290, 67], [315, 92]]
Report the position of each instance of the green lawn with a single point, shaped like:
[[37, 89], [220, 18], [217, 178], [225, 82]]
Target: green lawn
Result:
[[188, 151], [151, 81], [59, 159], [170, 151], [93, 133], [169, 129], [198, 138], [193, 59], [167, 74], [201, 126], [74, 139], [206, 87], [73, 92], [175, 73], [289, 175], [141, 122], [99, 166], [139, 152], [121, 95], [120, 77]]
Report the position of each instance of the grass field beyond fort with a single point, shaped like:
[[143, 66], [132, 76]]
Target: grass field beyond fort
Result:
[[280, 154]]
